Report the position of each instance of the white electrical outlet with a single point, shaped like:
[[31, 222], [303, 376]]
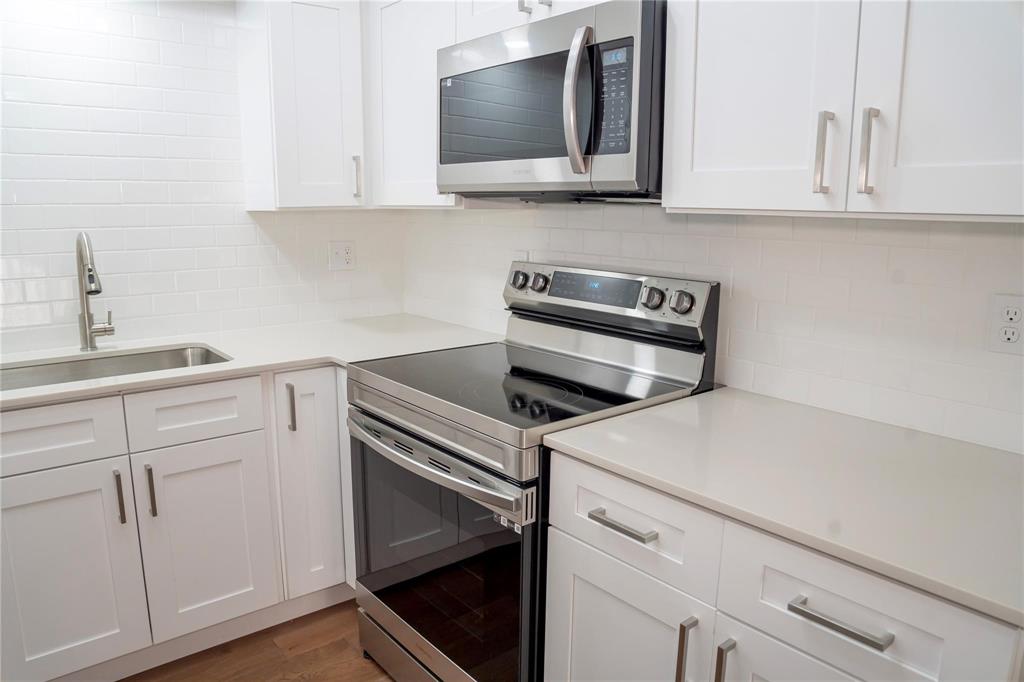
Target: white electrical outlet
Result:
[[1006, 324], [341, 255]]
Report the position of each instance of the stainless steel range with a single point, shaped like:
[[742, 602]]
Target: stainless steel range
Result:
[[449, 470]]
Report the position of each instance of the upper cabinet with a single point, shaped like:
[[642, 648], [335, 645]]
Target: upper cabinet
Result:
[[758, 102], [760, 111], [402, 39], [475, 18], [939, 108], [300, 82]]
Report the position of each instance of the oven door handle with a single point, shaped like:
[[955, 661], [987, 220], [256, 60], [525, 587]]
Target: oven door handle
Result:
[[570, 124], [491, 499]]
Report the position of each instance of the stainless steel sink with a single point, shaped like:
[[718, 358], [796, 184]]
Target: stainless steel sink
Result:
[[76, 368]]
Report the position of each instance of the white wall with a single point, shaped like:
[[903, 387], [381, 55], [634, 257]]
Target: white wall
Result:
[[121, 118], [882, 319]]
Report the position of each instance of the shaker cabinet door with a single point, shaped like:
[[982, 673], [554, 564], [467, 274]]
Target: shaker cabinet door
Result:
[[475, 18], [73, 593], [937, 122], [309, 471], [206, 531], [758, 104]]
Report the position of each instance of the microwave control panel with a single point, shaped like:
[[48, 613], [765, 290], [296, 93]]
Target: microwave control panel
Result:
[[614, 96]]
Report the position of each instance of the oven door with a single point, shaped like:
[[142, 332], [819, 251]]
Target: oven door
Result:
[[445, 555]]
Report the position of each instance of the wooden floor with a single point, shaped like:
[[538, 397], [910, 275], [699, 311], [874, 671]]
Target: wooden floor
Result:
[[321, 646]]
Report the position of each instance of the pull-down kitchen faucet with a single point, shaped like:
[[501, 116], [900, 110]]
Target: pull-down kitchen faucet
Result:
[[89, 285]]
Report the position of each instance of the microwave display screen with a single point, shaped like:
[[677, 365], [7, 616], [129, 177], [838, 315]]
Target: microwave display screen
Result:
[[623, 293], [612, 58]]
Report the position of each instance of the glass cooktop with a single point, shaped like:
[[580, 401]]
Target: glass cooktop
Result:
[[517, 386]]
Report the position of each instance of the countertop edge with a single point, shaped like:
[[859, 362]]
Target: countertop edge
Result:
[[996, 610]]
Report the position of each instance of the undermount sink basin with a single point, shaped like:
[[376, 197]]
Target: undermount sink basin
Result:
[[77, 368]]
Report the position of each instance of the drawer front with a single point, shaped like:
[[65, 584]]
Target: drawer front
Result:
[[55, 435], [157, 419], [930, 639], [602, 509]]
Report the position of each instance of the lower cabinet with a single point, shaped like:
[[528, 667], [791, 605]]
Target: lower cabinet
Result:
[[742, 653], [73, 593], [206, 532], [308, 450], [608, 621]]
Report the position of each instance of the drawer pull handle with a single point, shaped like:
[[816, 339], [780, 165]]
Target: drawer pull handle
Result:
[[880, 642], [723, 650], [684, 633], [152, 490], [292, 425], [599, 515], [120, 498]]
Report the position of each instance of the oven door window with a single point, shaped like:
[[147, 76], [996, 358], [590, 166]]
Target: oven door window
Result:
[[442, 563], [512, 111]]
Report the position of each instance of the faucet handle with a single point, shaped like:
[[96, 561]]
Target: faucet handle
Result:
[[110, 317]]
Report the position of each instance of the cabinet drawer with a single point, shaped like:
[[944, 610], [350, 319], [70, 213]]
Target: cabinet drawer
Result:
[[685, 553], [930, 639], [173, 416], [55, 435]]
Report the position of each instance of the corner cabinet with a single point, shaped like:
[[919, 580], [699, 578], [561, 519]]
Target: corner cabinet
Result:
[[864, 107], [70, 547], [308, 450], [401, 42], [300, 84]]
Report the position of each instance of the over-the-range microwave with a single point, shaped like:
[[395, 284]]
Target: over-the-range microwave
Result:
[[563, 108]]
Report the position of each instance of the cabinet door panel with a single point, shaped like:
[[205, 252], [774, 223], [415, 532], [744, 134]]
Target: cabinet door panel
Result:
[[209, 548], [316, 72], [402, 92], [948, 137], [308, 461], [608, 621], [477, 18], [745, 82], [73, 593]]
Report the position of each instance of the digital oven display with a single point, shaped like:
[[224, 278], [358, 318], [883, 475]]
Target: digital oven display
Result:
[[623, 293]]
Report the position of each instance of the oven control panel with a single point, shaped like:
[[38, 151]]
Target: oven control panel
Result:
[[666, 300], [614, 67]]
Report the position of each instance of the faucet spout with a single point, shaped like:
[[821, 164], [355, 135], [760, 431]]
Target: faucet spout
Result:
[[89, 285]]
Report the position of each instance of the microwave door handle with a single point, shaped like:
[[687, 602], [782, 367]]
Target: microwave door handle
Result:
[[570, 124], [491, 499]]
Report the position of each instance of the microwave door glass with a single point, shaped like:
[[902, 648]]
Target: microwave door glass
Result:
[[512, 111]]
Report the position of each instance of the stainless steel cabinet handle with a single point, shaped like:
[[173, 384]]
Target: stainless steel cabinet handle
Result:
[[152, 490], [357, 161], [120, 497], [577, 53], [870, 114], [600, 516], [723, 649], [684, 633], [819, 186], [880, 642], [292, 425], [523, 7]]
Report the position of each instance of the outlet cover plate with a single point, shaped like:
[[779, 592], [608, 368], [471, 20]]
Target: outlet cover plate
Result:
[[341, 255], [1004, 313]]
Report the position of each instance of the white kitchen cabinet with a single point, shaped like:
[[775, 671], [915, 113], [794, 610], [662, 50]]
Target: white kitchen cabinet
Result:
[[947, 82], [310, 479], [300, 78], [402, 39], [345, 457], [206, 532], [605, 620], [747, 86], [475, 18], [747, 655], [73, 593]]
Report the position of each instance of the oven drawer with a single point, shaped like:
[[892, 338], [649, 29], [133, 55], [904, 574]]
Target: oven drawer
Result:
[[608, 512], [172, 416], [771, 584]]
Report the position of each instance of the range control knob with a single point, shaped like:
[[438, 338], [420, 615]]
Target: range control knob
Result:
[[652, 298], [539, 282], [519, 279], [681, 302]]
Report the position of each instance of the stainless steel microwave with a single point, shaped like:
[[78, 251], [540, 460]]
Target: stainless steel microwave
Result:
[[563, 108]]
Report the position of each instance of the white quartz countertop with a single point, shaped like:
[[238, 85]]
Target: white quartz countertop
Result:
[[255, 350], [939, 514]]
